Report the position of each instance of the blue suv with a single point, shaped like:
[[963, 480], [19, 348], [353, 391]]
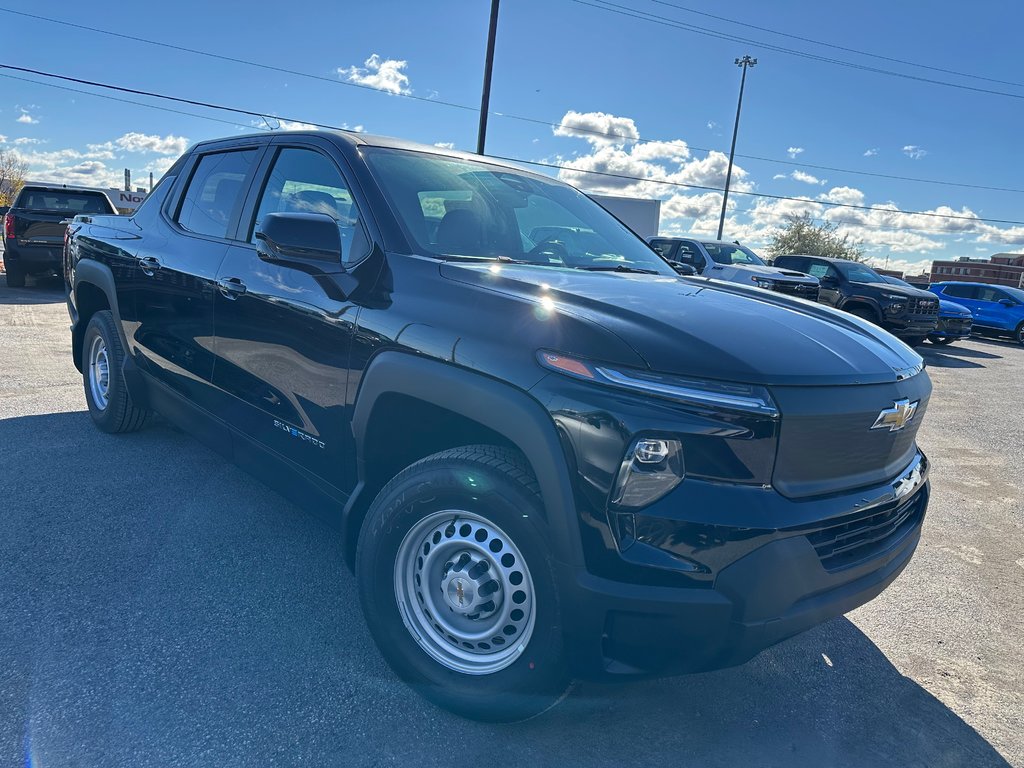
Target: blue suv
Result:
[[997, 310]]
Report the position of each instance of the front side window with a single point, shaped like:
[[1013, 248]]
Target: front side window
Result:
[[455, 208], [990, 294], [858, 273], [305, 181], [732, 254], [215, 191], [961, 291]]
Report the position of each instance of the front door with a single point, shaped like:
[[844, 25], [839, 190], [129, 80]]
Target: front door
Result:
[[829, 290], [283, 335], [176, 276]]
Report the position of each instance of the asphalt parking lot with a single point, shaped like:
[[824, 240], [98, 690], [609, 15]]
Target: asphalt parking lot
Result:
[[160, 607]]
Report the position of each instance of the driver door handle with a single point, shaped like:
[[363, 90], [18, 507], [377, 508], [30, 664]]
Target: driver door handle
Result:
[[231, 288], [148, 264]]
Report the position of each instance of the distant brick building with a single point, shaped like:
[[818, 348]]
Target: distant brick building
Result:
[[1001, 269]]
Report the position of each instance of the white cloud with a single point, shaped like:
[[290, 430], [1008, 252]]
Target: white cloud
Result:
[[794, 151], [871, 152], [383, 74], [806, 178], [142, 142], [906, 266], [27, 119], [598, 128], [294, 125], [914, 152], [24, 140], [3, 139], [712, 125], [779, 176], [444, 144]]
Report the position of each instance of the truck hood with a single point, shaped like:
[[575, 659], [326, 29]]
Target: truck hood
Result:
[[774, 273], [915, 293], [700, 327]]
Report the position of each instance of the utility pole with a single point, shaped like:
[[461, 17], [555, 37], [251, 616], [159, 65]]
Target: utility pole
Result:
[[485, 98], [745, 62]]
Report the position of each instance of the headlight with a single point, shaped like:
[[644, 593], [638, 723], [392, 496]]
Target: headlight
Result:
[[652, 467], [895, 309], [703, 393], [764, 282]]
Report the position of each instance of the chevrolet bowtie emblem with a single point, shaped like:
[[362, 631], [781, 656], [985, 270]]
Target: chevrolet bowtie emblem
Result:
[[897, 417]]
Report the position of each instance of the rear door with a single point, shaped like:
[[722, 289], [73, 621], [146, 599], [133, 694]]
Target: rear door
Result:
[[284, 335], [691, 253], [176, 275], [830, 291]]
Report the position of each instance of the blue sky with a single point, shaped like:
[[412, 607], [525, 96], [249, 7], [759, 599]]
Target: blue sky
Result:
[[579, 67]]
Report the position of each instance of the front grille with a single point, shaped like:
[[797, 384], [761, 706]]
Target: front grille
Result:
[[800, 290], [955, 324], [923, 307], [861, 537]]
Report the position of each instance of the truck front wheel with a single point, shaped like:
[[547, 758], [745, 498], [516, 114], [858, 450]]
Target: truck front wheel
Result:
[[456, 586]]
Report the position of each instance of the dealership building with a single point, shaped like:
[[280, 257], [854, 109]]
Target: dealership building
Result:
[[1001, 269]]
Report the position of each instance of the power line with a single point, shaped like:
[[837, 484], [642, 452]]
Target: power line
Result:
[[622, 10], [827, 203], [233, 59], [837, 47], [519, 118], [264, 115], [132, 101]]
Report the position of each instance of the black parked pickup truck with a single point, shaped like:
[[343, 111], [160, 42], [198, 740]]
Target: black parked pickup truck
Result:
[[544, 462], [907, 312], [34, 227]]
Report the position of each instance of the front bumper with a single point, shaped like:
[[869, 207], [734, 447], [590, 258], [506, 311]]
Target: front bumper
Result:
[[742, 586], [911, 326], [952, 328]]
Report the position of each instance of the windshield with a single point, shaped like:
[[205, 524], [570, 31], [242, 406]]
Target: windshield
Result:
[[858, 273], [727, 253], [896, 281], [455, 208]]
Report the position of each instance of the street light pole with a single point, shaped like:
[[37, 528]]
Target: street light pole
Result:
[[745, 62], [485, 98]]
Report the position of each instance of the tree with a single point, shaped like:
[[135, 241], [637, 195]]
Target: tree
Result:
[[802, 235], [12, 176]]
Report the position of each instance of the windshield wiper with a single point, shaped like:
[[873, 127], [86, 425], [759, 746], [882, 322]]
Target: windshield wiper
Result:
[[622, 268]]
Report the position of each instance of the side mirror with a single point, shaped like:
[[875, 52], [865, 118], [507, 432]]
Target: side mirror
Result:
[[1008, 302], [309, 242], [684, 269]]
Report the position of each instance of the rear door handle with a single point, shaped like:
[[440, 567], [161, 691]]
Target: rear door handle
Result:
[[148, 264], [231, 288]]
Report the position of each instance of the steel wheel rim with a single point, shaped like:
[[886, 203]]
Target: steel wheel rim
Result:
[[99, 373], [471, 618]]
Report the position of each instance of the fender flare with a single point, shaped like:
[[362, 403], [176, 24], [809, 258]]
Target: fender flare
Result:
[[863, 300], [505, 409]]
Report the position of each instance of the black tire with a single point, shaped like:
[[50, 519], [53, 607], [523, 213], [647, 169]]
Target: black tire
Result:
[[943, 341], [119, 413], [864, 314], [1018, 335], [913, 341], [503, 493], [15, 276]]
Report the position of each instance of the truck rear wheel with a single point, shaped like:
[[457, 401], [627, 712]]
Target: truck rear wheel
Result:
[[456, 586], [15, 276], [110, 403]]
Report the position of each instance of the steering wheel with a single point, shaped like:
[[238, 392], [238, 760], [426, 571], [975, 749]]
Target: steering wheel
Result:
[[551, 247]]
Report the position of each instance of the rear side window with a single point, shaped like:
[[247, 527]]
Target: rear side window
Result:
[[689, 253], [215, 191], [961, 291], [789, 262], [70, 202], [820, 270]]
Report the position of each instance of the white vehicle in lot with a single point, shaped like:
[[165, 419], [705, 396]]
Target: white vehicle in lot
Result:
[[734, 263]]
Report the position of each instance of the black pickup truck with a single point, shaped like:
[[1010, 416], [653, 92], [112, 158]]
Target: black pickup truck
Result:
[[904, 311], [34, 227], [545, 458]]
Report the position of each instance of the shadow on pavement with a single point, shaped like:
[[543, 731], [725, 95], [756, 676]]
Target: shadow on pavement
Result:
[[945, 357], [37, 290], [160, 607]]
